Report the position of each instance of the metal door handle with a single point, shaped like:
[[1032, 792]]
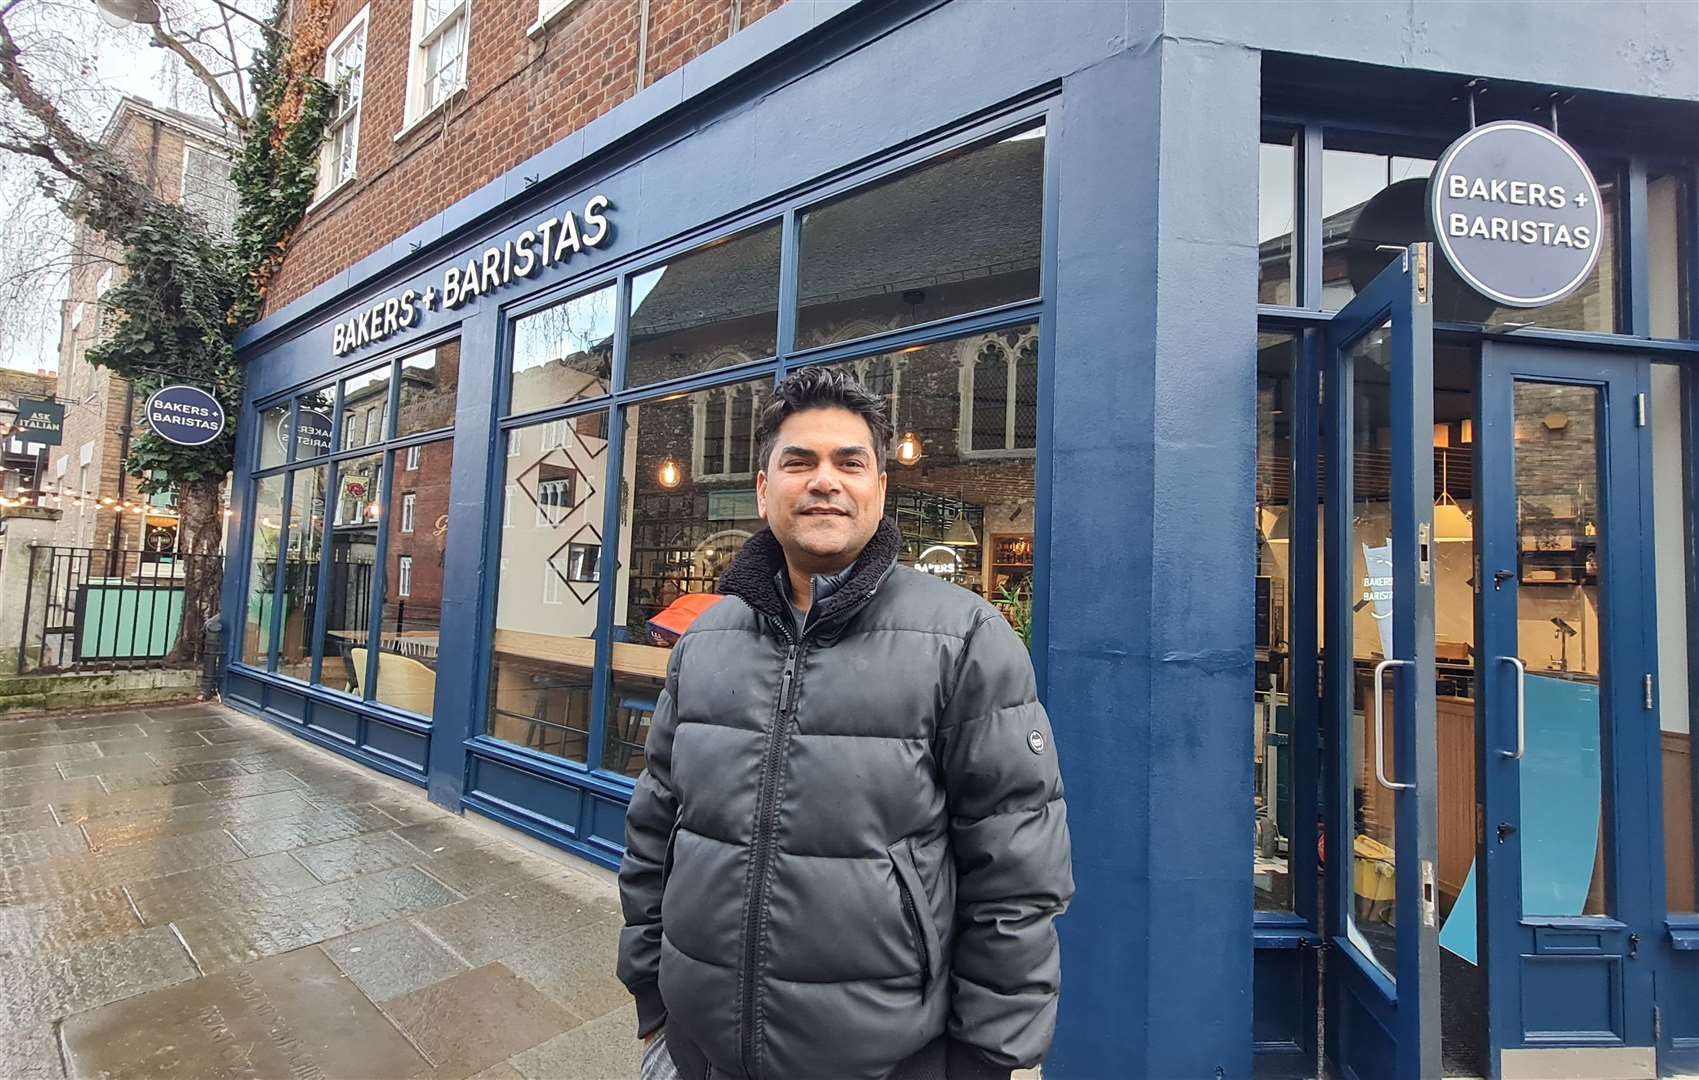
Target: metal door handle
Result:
[[1521, 707], [1380, 726]]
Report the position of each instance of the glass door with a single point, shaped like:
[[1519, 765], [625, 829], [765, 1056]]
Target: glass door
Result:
[[1565, 708], [1381, 982]]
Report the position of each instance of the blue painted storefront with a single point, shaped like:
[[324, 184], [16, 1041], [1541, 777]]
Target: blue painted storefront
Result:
[[1148, 321]]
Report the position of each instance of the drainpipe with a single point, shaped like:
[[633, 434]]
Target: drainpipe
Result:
[[642, 42], [124, 432]]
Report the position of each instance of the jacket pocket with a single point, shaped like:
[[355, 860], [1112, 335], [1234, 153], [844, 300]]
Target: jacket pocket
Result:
[[667, 858], [917, 910]]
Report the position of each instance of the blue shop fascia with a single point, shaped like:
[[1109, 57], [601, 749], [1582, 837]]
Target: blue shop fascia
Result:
[[1127, 275]]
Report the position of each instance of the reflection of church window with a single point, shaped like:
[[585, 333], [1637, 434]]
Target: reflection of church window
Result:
[[554, 496], [883, 375], [725, 432], [1000, 395]]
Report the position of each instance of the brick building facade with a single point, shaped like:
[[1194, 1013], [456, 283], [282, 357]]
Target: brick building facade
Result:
[[534, 72], [182, 157]]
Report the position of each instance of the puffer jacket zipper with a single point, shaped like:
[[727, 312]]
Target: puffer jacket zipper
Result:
[[766, 822]]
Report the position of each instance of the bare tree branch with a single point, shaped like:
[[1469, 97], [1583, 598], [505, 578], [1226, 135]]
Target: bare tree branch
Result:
[[226, 108]]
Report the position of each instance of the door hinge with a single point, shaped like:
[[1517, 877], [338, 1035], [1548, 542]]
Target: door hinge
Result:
[[1640, 410], [1421, 273], [1634, 946], [1657, 1023], [1649, 691]]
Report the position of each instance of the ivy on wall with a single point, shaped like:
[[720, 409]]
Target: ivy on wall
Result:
[[187, 292]]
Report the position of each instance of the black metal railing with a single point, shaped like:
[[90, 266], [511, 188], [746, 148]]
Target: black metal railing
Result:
[[94, 609]]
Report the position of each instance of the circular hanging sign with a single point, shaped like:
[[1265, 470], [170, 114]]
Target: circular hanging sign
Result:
[[1517, 214], [185, 415]]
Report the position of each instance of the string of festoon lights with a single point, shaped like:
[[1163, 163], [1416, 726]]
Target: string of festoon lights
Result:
[[53, 496]]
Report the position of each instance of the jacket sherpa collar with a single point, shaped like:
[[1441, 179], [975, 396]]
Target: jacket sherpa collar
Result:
[[752, 574]]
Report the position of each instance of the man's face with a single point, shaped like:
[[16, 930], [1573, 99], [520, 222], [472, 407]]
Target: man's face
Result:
[[822, 491]]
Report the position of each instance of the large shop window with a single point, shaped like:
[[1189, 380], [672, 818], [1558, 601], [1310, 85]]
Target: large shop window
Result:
[[360, 536], [715, 307], [543, 652], [963, 231], [966, 520], [563, 353], [957, 235]]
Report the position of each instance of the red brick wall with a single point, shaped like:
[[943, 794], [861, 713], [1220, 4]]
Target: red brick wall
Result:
[[523, 94]]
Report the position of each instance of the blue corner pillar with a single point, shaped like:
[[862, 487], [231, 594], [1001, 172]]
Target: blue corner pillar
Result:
[[1150, 650]]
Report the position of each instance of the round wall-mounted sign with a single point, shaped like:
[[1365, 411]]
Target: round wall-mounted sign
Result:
[[1517, 214], [185, 415]]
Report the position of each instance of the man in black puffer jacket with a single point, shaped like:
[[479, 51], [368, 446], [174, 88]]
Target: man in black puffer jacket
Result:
[[848, 850]]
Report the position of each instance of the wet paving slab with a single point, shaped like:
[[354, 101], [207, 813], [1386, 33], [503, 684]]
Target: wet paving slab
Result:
[[53, 926], [71, 874], [48, 984], [123, 830], [291, 1016], [42, 793], [212, 898], [219, 888], [232, 936], [61, 738], [342, 859], [34, 845], [473, 1020]]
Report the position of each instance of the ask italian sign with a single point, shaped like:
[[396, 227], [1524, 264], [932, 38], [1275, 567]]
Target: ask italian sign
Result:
[[40, 422], [555, 240], [1517, 214]]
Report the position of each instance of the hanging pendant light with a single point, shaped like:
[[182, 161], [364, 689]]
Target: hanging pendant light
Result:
[[908, 449], [1452, 523], [960, 533], [670, 474]]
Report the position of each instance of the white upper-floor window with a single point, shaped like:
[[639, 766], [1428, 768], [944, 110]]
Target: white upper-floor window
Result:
[[407, 504], [345, 71], [437, 67], [404, 576], [208, 190]]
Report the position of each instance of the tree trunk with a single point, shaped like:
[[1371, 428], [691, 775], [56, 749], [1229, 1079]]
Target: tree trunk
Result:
[[200, 521]]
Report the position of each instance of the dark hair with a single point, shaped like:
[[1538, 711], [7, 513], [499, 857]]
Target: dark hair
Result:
[[823, 388]]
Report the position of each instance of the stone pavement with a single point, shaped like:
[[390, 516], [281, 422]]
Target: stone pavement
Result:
[[187, 892]]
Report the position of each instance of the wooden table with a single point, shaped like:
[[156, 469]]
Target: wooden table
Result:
[[645, 661]]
